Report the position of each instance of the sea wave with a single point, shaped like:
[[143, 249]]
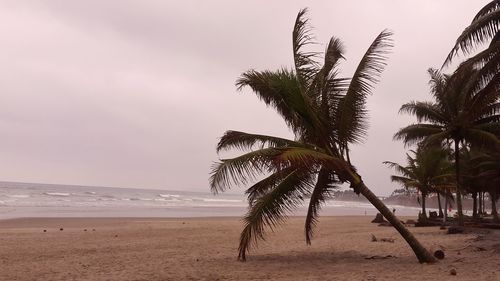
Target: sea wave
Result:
[[169, 195], [57, 193], [18, 196]]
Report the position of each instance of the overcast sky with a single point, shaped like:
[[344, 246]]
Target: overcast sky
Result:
[[137, 93]]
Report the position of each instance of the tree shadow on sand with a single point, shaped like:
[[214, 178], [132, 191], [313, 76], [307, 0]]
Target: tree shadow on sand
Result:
[[324, 257]]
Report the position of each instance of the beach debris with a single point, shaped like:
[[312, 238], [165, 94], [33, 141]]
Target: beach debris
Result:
[[45, 230], [453, 271], [389, 240], [85, 229], [61, 229], [455, 230], [439, 254], [380, 257], [378, 218], [116, 235], [433, 215]]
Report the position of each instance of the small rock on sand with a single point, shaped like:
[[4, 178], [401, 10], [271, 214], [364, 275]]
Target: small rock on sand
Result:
[[453, 271]]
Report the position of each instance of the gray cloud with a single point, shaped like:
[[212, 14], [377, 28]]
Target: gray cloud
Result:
[[136, 93]]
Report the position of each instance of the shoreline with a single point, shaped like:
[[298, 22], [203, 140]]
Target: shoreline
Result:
[[206, 249]]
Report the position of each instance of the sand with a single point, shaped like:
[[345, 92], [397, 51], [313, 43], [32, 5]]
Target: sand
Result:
[[206, 249]]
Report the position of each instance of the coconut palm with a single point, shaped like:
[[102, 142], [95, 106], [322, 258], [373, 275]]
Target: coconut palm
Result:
[[427, 171], [326, 113], [465, 109]]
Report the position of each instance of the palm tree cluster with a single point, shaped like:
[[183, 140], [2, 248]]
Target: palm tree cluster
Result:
[[326, 113], [427, 171], [465, 111]]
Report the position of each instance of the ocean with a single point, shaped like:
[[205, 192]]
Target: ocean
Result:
[[51, 200]]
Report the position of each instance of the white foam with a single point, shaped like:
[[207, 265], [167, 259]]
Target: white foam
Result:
[[57, 193], [18, 196], [221, 200], [169, 195]]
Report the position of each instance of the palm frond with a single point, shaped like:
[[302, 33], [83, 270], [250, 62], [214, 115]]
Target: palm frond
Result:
[[483, 28], [488, 8], [417, 132], [320, 193], [245, 141], [398, 168], [305, 66], [270, 209], [280, 90], [263, 186], [483, 138], [352, 112], [239, 170], [424, 111]]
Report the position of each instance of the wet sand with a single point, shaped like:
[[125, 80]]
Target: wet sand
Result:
[[206, 249]]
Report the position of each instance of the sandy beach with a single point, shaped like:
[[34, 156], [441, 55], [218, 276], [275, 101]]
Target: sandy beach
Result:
[[206, 249]]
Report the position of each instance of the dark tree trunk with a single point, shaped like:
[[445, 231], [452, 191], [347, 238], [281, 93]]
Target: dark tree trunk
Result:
[[484, 206], [424, 212], [439, 206], [445, 207], [459, 192], [474, 205], [480, 207], [422, 254], [494, 212]]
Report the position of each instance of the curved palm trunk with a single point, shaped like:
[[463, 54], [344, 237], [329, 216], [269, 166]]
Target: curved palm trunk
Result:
[[459, 192], [422, 254], [439, 206]]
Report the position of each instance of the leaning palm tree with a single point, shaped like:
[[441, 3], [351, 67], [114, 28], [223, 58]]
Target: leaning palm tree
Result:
[[427, 171], [326, 113], [465, 109]]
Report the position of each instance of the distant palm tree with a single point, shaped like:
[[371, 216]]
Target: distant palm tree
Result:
[[487, 166], [427, 171], [326, 113], [465, 109]]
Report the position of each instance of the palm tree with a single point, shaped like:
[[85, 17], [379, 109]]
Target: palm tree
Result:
[[465, 109], [427, 171], [326, 113], [487, 166]]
